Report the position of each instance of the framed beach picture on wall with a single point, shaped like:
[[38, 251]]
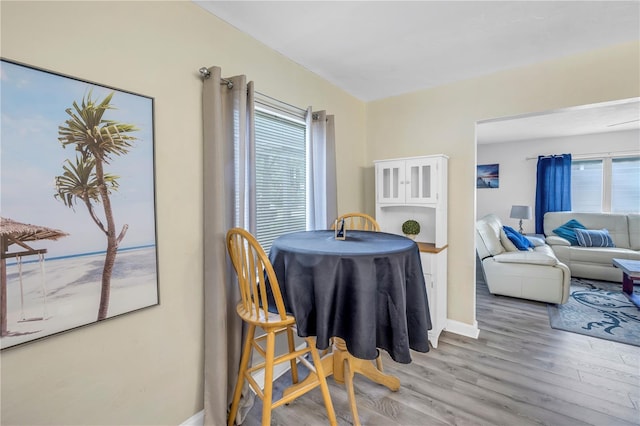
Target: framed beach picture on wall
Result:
[[488, 176], [77, 203]]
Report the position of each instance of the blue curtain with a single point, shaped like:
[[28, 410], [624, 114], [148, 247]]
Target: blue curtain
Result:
[[553, 186]]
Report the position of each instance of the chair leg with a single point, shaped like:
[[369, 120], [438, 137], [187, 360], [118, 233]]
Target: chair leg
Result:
[[292, 348], [268, 379], [244, 362], [348, 381], [331, 414]]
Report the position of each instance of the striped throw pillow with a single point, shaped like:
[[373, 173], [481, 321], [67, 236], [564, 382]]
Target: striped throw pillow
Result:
[[594, 238]]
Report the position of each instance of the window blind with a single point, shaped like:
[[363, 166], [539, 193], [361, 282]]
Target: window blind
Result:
[[586, 186], [281, 176], [625, 185]]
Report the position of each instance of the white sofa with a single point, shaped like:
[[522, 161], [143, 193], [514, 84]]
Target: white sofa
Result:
[[595, 262], [535, 274]]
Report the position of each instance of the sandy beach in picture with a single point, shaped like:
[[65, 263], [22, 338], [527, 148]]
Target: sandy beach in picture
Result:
[[73, 292]]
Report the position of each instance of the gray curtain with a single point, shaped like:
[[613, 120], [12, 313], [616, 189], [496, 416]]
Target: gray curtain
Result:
[[322, 201], [229, 200]]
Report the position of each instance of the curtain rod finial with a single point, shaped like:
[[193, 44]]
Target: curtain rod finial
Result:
[[204, 72]]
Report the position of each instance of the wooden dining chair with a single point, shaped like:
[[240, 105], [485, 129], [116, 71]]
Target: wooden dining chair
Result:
[[358, 222], [255, 277]]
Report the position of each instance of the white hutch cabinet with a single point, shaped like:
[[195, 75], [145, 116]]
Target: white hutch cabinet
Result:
[[410, 181], [416, 188]]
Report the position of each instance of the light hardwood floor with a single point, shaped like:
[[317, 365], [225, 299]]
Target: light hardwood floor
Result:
[[519, 371]]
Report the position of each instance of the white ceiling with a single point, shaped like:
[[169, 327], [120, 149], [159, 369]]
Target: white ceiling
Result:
[[378, 49], [586, 119]]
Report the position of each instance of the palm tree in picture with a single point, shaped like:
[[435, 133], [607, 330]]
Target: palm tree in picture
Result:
[[96, 141]]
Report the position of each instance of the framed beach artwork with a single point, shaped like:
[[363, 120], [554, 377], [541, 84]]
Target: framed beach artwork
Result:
[[488, 176], [77, 203]]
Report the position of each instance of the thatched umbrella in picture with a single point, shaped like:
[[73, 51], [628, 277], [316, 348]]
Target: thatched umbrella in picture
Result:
[[12, 232]]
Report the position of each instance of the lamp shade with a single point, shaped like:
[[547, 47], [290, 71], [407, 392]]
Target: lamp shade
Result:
[[520, 212]]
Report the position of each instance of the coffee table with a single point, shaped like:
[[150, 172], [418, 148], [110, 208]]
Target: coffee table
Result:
[[630, 273]]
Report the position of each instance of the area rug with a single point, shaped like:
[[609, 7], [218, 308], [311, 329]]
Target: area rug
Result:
[[598, 309]]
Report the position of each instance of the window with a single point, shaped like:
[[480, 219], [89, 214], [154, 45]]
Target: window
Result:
[[606, 185], [281, 176], [586, 186], [625, 185]]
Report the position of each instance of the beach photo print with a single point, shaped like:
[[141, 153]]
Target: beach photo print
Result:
[[77, 203], [488, 176]]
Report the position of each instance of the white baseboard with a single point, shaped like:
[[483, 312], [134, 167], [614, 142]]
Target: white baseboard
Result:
[[463, 329], [196, 420]]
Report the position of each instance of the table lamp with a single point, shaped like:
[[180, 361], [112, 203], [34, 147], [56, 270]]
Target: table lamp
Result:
[[520, 212]]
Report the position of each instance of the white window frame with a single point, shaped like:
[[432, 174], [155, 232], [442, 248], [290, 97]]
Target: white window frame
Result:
[[607, 174]]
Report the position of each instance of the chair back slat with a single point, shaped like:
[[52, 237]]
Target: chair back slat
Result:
[[259, 286], [236, 255], [358, 222], [256, 276], [252, 272]]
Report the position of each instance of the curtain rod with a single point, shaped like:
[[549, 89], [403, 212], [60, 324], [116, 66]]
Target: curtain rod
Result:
[[543, 156], [205, 73], [593, 155]]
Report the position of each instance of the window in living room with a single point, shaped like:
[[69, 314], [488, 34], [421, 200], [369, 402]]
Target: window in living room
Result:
[[606, 185], [281, 175]]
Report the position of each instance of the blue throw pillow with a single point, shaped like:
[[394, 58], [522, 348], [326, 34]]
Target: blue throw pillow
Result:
[[518, 240], [568, 231], [594, 238]]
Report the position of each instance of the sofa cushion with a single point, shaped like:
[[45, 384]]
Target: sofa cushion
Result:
[[529, 257], [520, 241], [567, 231], [595, 262], [545, 249], [595, 255], [594, 238], [616, 223], [535, 241], [554, 240], [506, 242], [488, 229]]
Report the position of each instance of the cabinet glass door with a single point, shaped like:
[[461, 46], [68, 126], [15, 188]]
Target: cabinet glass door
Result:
[[391, 182], [421, 181]]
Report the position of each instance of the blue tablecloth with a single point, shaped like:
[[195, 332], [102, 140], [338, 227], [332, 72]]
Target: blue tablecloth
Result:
[[368, 289]]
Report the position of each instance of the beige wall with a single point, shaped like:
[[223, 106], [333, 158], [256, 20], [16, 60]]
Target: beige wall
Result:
[[442, 120], [146, 367]]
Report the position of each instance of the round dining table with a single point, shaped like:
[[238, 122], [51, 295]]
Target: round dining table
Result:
[[368, 289], [363, 293]]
